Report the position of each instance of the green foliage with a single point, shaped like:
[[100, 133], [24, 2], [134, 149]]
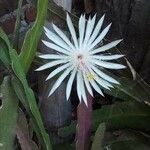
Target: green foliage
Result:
[[20, 65], [17, 25], [4, 49], [122, 115], [33, 35], [131, 90], [64, 146], [99, 137], [30, 99], [127, 140], [8, 115], [4, 37], [127, 145], [18, 88]]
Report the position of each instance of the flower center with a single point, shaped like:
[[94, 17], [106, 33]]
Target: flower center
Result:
[[81, 63], [80, 56]]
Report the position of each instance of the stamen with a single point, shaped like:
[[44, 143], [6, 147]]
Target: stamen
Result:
[[80, 56], [81, 63], [90, 76], [82, 66]]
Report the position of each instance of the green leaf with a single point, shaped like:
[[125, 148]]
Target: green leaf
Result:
[[131, 90], [64, 146], [8, 115], [124, 115], [17, 26], [127, 145], [19, 90], [132, 115], [68, 130], [4, 54], [32, 38], [17, 68], [4, 48], [128, 140], [5, 38], [99, 137]]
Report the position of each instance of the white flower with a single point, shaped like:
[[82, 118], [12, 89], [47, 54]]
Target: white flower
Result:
[[81, 59]]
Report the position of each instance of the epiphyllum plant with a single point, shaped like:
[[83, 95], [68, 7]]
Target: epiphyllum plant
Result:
[[83, 60]]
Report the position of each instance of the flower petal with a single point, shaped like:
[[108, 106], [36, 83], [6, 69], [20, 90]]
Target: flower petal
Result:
[[78, 85], [69, 84], [96, 30], [107, 64], [53, 56], [100, 37], [100, 81], [89, 29], [64, 37], [56, 71], [103, 83], [96, 87], [81, 30], [51, 64], [107, 57], [83, 93], [56, 39], [103, 75], [60, 80], [106, 47], [87, 84], [72, 30], [56, 48]]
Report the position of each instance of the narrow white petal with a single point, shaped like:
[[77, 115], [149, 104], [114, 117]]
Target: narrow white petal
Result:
[[100, 81], [64, 37], [89, 29], [103, 75], [60, 80], [81, 30], [51, 64], [87, 84], [56, 39], [72, 30], [100, 37], [96, 87], [103, 83], [105, 47], [83, 93], [78, 85], [107, 57], [107, 64], [69, 84], [96, 30], [56, 71], [108, 84], [56, 48], [53, 56]]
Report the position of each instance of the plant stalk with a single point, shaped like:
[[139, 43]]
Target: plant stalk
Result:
[[84, 124]]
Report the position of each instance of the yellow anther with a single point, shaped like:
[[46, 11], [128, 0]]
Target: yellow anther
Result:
[[90, 76]]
